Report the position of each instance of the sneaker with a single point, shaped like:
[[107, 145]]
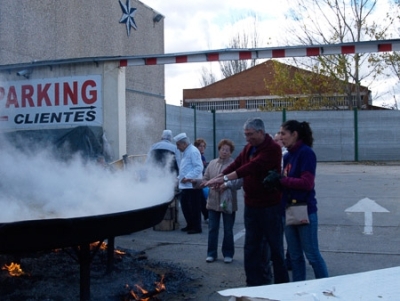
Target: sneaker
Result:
[[228, 259], [210, 259]]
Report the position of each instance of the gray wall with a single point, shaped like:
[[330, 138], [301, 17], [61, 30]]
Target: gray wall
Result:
[[52, 30], [334, 131]]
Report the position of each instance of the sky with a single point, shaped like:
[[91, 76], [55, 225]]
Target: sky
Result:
[[198, 25], [205, 25]]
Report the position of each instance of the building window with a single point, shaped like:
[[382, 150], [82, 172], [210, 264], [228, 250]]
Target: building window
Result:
[[319, 102], [255, 104], [229, 105]]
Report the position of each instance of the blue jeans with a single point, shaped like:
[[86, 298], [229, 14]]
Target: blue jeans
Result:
[[303, 240], [228, 245], [263, 225]]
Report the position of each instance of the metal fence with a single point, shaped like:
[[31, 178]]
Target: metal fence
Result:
[[338, 135]]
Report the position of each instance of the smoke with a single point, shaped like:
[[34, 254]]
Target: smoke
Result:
[[37, 186], [140, 119]]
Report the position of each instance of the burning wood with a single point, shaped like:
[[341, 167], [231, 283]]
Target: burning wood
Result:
[[98, 245], [143, 295], [14, 269], [49, 276], [119, 252], [103, 246]]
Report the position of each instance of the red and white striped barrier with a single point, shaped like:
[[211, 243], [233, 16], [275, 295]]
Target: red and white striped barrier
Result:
[[262, 53]]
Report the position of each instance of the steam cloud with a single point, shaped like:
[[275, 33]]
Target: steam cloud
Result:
[[37, 186]]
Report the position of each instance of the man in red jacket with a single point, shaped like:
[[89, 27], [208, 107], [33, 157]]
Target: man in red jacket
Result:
[[263, 210]]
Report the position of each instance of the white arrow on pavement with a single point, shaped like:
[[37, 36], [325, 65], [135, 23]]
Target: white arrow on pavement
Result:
[[367, 206]]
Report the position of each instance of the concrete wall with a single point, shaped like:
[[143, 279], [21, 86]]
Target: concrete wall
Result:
[[334, 132], [53, 30]]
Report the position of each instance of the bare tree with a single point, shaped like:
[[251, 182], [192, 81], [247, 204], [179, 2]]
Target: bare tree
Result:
[[391, 59], [247, 38], [339, 21], [207, 77]]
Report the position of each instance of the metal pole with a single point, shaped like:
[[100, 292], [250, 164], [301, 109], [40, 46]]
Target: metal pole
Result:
[[283, 115], [214, 134], [195, 122], [355, 134], [110, 254], [84, 261], [165, 114]]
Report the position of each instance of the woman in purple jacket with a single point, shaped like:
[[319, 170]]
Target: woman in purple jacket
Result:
[[299, 166]]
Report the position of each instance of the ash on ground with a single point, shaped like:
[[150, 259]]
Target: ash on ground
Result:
[[54, 276]]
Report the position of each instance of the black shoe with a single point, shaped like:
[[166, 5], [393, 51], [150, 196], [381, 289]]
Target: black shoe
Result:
[[194, 231], [185, 229]]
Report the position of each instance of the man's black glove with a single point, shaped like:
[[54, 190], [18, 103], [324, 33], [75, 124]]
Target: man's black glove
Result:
[[272, 181]]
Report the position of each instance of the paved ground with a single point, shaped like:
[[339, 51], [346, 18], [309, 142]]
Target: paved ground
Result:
[[350, 242]]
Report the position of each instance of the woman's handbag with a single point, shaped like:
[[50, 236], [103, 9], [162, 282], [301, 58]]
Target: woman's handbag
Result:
[[296, 214], [226, 201]]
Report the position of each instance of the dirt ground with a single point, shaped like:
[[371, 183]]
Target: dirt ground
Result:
[[55, 276]]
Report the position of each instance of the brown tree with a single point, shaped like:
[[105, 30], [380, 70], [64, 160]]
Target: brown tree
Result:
[[316, 22], [299, 89]]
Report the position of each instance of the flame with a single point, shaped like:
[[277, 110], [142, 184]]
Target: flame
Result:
[[160, 286], [119, 252], [103, 245], [14, 269], [144, 295]]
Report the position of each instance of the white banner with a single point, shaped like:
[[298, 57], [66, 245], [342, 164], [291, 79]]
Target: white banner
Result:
[[51, 103]]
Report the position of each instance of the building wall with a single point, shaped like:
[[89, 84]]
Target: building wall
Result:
[[247, 90], [52, 30]]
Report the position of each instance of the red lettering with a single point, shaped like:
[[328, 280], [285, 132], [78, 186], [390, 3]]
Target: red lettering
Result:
[[71, 94], [92, 92], [42, 94], [56, 94], [26, 95], [50, 94], [12, 98]]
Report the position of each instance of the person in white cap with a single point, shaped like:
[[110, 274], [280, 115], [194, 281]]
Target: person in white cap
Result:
[[165, 153], [191, 167]]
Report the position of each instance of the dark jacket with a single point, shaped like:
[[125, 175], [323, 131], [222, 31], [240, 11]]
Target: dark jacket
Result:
[[267, 156], [298, 183]]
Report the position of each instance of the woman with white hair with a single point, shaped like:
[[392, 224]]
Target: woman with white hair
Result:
[[165, 153]]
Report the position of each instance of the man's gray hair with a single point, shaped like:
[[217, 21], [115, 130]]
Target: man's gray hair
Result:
[[254, 123], [185, 141]]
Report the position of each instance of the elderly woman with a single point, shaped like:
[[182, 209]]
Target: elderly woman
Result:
[[221, 202]]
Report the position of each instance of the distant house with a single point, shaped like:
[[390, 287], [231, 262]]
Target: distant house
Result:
[[247, 91]]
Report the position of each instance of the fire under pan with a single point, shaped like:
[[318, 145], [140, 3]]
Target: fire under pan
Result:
[[17, 238]]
